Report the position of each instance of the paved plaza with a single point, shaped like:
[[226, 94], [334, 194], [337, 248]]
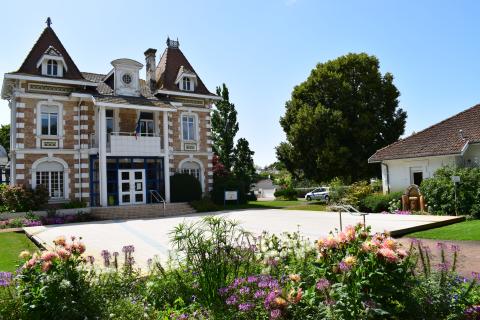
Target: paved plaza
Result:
[[151, 236]]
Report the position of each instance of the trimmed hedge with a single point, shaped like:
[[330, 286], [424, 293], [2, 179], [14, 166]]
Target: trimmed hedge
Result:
[[185, 188], [378, 202], [286, 194], [222, 184]]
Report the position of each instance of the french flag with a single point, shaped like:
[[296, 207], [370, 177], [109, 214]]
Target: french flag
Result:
[[137, 129]]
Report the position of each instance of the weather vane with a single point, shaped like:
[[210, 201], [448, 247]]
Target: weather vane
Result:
[[49, 22]]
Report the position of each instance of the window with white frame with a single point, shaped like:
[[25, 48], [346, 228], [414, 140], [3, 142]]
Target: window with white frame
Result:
[[187, 84], [52, 68], [49, 120], [191, 168], [51, 176], [147, 125], [189, 127]]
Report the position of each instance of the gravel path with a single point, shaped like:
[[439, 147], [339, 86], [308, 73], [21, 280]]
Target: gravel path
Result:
[[469, 256]]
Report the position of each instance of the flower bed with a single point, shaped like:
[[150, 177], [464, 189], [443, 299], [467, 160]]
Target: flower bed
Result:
[[32, 220], [220, 271]]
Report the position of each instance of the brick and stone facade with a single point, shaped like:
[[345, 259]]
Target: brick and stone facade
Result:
[[96, 137]]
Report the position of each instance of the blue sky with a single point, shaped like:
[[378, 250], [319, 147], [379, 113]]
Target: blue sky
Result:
[[262, 49]]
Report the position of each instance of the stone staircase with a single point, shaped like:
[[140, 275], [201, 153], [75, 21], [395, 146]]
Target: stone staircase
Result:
[[141, 211]]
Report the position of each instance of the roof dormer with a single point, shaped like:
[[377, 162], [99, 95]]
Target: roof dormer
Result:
[[186, 79], [126, 77], [52, 63]]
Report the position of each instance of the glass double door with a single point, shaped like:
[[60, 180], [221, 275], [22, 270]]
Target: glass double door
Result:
[[131, 186]]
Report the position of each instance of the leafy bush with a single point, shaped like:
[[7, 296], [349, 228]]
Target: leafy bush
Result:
[[19, 198], [439, 191], [363, 276], [338, 191], [378, 202], [222, 184], [185, 188], [54, 286], [288, 193], [205, 205], [75, 204]]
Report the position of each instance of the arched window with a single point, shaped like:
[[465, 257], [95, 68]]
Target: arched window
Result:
[[51, 175], [191, 168], [186, 84], [52, 68]]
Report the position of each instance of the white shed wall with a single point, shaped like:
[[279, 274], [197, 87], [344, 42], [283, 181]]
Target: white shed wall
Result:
[[400, 170]]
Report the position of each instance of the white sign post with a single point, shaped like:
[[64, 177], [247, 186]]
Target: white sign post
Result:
[[230, 196], [455, 180]]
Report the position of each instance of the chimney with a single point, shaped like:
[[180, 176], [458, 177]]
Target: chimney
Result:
[[150, 65]]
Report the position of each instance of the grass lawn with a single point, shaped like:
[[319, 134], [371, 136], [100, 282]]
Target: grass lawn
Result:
[[11, 244], [467, 230], [281, 204]]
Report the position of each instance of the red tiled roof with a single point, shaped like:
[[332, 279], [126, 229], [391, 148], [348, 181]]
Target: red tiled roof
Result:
[[49, 38], [443, 138], [167, 71]]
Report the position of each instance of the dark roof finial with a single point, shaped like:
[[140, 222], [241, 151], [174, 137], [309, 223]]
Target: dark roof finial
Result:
[[48, 22], [172, 43]]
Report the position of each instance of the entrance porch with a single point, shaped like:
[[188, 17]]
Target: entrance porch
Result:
[[130, 180]]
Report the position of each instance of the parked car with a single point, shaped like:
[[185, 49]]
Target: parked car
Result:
[[321, 193]]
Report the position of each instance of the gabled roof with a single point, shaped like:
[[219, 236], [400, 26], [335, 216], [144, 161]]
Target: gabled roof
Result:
[[449, 137], [168, 68], [105, 93], [47, 41]]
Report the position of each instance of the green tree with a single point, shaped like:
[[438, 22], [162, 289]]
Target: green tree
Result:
[[338, 117], [224, 128], [243, 166], [5, 137]]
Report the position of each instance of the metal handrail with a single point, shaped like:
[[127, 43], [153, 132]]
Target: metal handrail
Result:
[[158, 197], [120, 133], [349, 209]]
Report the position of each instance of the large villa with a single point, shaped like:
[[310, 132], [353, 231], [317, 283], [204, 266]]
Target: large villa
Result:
[[107, 138]]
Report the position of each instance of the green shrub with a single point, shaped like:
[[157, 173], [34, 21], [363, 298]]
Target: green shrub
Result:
[[74, 204], [439, 191], [222, 184], [205, 205], [55, 286], [378, 202], [20, 199], [338, 191], [288, 193], [185, 188]]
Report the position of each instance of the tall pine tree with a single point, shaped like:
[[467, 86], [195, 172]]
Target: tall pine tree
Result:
[[224, 128], [243, 166]]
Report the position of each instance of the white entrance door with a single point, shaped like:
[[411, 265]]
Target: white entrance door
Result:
[[131, 186]]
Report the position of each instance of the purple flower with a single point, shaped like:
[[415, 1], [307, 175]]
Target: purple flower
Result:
[[275, 314], [259, 294], [322, 284], [91, 259], [251, 279], [128, 249], [247, 306], [222, 291], [455, 248], [344, 267], [444, 267], [269, 299], [232, 300], [244, 290], [441, 245], [476, 275], [106, 257], [5, 279]]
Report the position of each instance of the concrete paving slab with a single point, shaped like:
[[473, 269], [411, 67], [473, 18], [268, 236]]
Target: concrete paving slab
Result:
[[151, 236]]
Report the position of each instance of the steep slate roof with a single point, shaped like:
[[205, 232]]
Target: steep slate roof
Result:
[[47, 39], [443, 138], [167, 71], [104, 93]]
